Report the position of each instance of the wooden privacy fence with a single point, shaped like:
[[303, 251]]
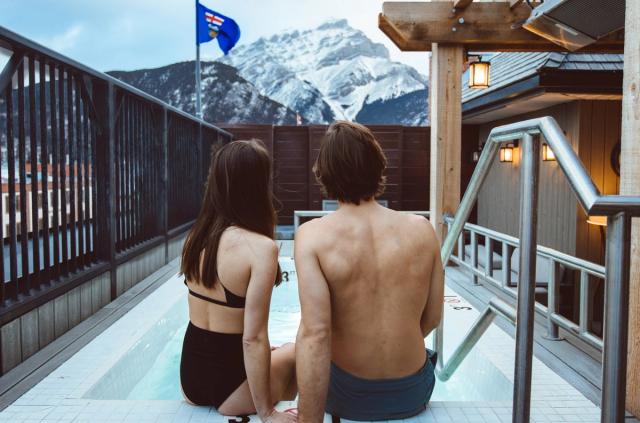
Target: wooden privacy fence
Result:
[[295, 148], [94, 173]]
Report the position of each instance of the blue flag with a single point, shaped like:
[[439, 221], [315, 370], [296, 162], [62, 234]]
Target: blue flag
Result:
[[210, 25]]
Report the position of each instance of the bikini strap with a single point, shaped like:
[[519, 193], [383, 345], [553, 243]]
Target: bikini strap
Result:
[[233, 301]]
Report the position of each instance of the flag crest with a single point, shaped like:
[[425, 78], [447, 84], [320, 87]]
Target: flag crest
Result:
[[213, 25]]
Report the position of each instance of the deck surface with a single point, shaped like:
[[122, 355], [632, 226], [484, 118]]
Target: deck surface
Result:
[[54, 390]]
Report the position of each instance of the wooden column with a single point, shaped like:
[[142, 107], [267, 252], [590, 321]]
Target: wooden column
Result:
[[445, 105], [630, 185]]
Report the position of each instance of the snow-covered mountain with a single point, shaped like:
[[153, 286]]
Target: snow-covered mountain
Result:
[[327, 73], [332, 72], [226, 96]]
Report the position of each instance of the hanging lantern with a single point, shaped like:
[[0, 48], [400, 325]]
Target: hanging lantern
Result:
[[479, 74]]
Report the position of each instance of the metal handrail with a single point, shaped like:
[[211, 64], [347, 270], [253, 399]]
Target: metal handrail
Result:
[[580, 181], [495, 308], [619, 210]]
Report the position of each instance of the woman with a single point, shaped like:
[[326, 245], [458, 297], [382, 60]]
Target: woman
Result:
[[230, 264]]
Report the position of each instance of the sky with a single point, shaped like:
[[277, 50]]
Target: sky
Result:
[[135, 34]]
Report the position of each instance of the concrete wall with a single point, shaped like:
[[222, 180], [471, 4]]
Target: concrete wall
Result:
[[26, 335]]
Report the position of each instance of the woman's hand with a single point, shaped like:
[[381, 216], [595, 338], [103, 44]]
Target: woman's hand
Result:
[[280, 417]]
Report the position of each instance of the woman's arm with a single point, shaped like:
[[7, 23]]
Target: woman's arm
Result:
[[257, 351]]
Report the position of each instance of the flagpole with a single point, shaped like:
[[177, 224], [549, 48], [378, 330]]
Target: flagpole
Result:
[[198, 78], [198, 84]]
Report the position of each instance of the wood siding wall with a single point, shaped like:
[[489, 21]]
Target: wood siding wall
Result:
[[295, 149], [600, 130], [593, 127], [499, 198]]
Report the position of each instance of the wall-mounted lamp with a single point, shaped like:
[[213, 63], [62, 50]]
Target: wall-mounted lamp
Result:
[[477, 153], [479, 73], [506, 153], [547, 153], [615, 158], [597, 220]]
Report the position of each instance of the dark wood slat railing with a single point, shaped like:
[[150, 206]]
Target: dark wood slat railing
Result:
[[94, 172]]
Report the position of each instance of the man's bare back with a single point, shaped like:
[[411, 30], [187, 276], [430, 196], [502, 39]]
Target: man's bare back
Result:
[[371, 288], [386, 287]]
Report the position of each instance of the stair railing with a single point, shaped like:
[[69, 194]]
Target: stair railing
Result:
[[618, 209]]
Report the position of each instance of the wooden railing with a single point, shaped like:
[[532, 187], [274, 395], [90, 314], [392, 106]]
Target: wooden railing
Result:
[[480, 259], [94, 172]]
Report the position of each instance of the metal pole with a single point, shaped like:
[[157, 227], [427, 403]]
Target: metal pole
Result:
[[198, 84], [495, 308], [616, 325], [468, 200], [526, 277]]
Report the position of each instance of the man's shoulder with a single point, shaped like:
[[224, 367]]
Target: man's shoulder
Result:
[[417, 227], [317, 232], [310, 229]]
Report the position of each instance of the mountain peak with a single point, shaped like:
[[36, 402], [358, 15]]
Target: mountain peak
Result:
[[330, 72], [334, 24]]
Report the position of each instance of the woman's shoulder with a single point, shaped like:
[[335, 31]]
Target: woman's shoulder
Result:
[[254, 241]]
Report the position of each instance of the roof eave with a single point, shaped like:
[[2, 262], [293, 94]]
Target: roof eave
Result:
[[546, 80]]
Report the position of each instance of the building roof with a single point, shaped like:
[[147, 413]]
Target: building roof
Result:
[[507, 68]]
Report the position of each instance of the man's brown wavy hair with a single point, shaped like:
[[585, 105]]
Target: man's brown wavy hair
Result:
[[350, 163]]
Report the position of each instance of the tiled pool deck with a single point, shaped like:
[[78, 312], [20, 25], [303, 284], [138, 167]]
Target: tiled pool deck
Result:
[[59, 397]]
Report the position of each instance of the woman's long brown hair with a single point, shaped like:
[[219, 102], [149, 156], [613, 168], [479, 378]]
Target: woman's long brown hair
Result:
[[239, 193]]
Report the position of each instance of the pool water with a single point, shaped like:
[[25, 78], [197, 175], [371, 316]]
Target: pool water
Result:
[[150, 369]]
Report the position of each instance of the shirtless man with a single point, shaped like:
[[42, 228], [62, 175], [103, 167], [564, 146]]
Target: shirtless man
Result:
[[371, 289]]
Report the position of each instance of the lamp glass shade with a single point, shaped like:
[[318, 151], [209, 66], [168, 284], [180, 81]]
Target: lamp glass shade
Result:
[[506, 154], [597, 220], [479, 75], [547, 153]]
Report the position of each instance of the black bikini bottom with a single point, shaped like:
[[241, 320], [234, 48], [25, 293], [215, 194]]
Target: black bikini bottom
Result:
[[211, 366]]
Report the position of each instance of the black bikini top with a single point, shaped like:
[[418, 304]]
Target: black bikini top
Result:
[[233, 300]]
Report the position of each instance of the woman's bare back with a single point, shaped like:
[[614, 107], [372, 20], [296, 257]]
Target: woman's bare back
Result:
[[234, 270]]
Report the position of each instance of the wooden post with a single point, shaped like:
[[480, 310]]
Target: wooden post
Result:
[[445, 105], [630, 185], [104, 95], [163, 216]]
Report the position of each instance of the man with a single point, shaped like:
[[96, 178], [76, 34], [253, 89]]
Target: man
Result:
[[371, 289]]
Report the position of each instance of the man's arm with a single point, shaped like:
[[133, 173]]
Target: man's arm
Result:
[[313, 347], [432, 313]]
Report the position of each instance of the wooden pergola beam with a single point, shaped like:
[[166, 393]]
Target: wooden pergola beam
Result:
[[461, 4], [415, 26]]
